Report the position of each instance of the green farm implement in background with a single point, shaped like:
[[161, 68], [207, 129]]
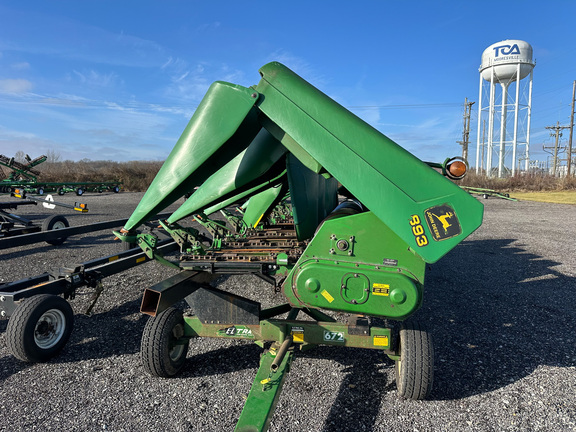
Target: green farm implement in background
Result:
[[24, 176]]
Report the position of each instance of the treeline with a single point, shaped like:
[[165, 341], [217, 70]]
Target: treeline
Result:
[[136, 176], [520, 182]]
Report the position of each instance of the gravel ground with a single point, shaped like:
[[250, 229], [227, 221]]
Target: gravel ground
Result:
[[501, 308]]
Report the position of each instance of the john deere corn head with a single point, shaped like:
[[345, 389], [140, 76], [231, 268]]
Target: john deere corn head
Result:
[[310, 198]]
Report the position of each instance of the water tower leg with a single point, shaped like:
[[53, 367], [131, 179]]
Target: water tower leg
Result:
[[516, 113], [503, 130], [490, 128]]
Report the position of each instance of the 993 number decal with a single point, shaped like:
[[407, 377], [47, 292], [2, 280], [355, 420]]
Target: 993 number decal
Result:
[[418, 231]]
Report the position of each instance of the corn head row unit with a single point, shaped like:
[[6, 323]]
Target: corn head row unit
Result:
[[318, 203]]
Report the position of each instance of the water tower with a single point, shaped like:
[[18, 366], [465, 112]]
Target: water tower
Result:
[[505, 102]]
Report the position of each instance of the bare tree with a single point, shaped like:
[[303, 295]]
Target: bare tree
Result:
[[52, 156], [20, 156]]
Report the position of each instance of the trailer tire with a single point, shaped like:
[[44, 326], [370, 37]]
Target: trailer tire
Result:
[[79, 191], [163, 349], [40, 191], [415, 367], [116, 189], [60, 191], [53, 223], [39, 328]]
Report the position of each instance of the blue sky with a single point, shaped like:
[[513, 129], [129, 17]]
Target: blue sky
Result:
[[119, 80]]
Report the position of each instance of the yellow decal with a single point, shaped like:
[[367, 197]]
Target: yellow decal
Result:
[[380, 289], [418, 231], [443, 222], [297, 334], [139, 260], [381, 341], [114, 258], [327, 296], [259, 219]]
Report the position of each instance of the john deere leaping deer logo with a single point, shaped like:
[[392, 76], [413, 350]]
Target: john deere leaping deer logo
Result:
[[442, 222]]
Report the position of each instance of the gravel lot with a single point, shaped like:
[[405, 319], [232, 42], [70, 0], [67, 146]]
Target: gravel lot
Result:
[[501, 308]]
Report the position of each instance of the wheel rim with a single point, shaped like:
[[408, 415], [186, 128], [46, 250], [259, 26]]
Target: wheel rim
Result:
[[49, 329], [176, 349], [58, 225]]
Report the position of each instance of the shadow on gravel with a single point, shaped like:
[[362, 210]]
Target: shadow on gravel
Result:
[[105, 334], [72, 243], [365, 374], [221, 361], [496, 313]]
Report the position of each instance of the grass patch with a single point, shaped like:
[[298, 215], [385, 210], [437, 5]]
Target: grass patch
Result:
[[556, 197]]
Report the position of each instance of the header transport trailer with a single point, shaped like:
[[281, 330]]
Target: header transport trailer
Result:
[[24, 177], [329, 211]]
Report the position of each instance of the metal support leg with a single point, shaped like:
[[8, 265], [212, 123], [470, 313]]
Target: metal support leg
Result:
[[259, 407]]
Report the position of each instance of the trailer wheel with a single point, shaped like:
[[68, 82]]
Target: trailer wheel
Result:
[[79, 191], [116, 189], [60, 191], [415, 367], [40, 191], [39, 328], [163, 350], [53, 223]]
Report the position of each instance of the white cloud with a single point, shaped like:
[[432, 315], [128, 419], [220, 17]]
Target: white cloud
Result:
[[15, 86], [20, 66], [95, 79]]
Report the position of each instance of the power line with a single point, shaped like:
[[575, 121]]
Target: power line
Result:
[[451, 104]]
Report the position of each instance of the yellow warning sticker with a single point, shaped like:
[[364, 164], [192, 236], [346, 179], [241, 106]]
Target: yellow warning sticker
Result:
[[381, 289], [259, 219], [381, 341], [327, 296], [297, 334], [139, 260], [114, 258]]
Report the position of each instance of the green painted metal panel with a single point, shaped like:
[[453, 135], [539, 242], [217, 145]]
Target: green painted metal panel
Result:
[[313, 197], [266, 184], [222, 126], [398, 187], [237, 175], [359, 265], [261, 203]]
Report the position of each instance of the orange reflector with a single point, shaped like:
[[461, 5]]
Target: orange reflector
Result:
[[457, 168]]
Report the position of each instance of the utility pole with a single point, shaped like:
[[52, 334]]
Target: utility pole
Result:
[[466, 131], [557, 133], [569, 162]]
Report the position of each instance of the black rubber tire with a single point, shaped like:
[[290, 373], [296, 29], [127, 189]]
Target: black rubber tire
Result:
[[79, 191], [415, 368], [40, 191], [39, 328], [60, 191], [55, 222], [163, 349], [116, 189]]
